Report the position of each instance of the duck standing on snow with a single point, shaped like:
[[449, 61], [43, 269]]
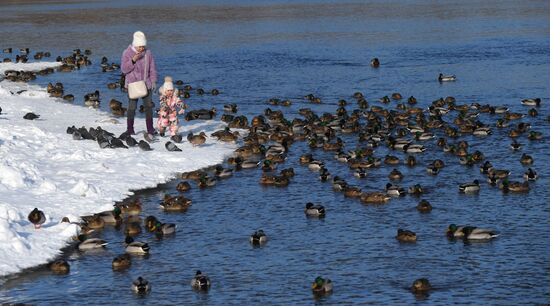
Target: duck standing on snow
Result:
[[37, 218], [196, 140]]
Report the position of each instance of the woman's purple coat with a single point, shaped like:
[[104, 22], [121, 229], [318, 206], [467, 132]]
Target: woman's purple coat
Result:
[[135, 72]]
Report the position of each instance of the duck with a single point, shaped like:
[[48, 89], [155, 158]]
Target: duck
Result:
[[162, 229], [395, 175], [391, 160], [183, 186], [530, 175], [37, 217], [446, 78], [321, 285], [424, 206], [360, 173], [531, 102], [486, 167], [249, 163], [375, 62], [200, 281], [150, 223], [420, 286], [416, 189], [315, 165], [411, 161], [526, 159], [131, 208], [269, 165], [196, 140], [499, 173], [314, 210], [413, 148], [469, 187], [306, 158], [111, 216], [516, 187], [121, 262], [515, 145], [60, 267], [470, 232], [132, 228], [221, 172], [87, 244], [405, 236], [432, 169], [206, 181], [352, 191], [141, 286], [324, 175], [534, 135], [374, 198], [136, 247], [394, 190], [339, 184], [258, 238]]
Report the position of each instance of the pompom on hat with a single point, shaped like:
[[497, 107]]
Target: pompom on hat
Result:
[[139, 39], [168, 85]]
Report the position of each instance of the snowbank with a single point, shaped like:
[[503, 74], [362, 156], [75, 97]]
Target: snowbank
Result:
[[42, 166]]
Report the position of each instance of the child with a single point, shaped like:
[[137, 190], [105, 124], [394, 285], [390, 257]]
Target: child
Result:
[[169, 104]]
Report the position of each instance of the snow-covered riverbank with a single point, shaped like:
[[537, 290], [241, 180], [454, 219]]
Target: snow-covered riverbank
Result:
[[42, 166]]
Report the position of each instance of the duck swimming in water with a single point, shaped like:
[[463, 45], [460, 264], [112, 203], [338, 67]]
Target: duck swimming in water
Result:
[[141, 286], [314, 210], [446, 78], [321, 285], [469, 187], [530, 175], [258, 238], [200, 281], [470, 232]]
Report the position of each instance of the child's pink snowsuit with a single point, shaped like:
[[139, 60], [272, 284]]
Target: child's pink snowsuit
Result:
[[168, 114]]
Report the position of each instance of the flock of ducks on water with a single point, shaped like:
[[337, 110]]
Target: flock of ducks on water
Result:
[[268, 137]]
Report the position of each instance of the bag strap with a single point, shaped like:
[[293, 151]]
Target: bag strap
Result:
[[146, 72]]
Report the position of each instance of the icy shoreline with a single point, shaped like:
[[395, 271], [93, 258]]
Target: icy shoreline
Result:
[[42, 166]]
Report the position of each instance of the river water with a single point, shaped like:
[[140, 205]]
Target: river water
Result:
[[252, 51]]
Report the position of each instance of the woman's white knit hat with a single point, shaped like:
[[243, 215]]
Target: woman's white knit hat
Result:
[[139, 39]]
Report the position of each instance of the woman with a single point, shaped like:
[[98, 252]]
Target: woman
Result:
[[134, 61]]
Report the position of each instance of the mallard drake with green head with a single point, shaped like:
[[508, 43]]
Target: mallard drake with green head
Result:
[[470, 232], [469, 187], [321, 286], [141, 286], [416, 189], [200, 281], [136, 247], [314, 210], [258, 238], [87, 244], [530, 175], [111, 216], [394, 190]]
